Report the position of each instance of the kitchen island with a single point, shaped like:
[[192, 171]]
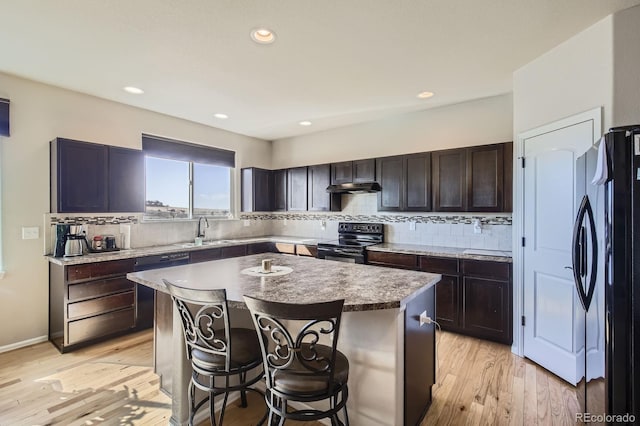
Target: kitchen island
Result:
[[391, 355]]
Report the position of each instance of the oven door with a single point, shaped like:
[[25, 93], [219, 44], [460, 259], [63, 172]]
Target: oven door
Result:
[[341, 254]]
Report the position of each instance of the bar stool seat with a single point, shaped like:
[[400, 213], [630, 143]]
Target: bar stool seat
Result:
[[296, 378], [245, 350]]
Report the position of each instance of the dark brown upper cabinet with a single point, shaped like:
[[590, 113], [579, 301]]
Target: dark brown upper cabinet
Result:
[[449, 180], [95, 178], [257, 190], [391, 179], [485, 172], [79, 176], [405, 182], [297, 189], [474, 179], [357, 171], [318, 178], [418, 182], [126, 180], [280, 190]]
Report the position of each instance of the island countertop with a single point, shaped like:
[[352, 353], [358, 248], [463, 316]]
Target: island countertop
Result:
[[364, 287]]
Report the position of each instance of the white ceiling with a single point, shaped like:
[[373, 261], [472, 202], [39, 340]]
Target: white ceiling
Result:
[[335, 62]]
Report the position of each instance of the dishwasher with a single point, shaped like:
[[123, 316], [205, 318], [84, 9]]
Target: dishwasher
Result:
[[146, 294]]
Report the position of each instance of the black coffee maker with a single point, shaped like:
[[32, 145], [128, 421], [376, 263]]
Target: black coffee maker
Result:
[[70, 241]]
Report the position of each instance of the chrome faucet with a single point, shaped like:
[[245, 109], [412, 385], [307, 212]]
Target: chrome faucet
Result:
[[201, 228]]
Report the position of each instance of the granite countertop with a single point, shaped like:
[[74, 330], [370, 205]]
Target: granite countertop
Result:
[[364, 287], [458, 253], [174, 248]]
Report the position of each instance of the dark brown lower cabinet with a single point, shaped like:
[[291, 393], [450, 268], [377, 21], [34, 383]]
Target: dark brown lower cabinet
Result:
[[485, 308], [217, 253], [256, 248], [90, 302], [447, 303], [392, 260], [473, 297]]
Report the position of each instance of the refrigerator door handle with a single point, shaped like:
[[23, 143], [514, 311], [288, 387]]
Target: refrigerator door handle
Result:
[[593, 270], [579, 253]]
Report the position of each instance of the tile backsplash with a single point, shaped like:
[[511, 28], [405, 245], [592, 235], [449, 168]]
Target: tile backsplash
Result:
[[438, 229]]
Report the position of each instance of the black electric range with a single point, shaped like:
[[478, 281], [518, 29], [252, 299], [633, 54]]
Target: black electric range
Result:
[[353, 238]]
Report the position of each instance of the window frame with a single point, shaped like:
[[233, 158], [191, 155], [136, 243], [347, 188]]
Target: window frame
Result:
[[232, 210]]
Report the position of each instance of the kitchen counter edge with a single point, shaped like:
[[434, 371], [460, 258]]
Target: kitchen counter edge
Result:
[[453, 252], [172, 248]]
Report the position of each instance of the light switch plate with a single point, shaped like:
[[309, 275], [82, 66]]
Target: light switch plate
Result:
[[30, 233], [412, 226], [246, 222]]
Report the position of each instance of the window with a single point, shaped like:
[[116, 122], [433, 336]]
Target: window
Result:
[[184, 181]]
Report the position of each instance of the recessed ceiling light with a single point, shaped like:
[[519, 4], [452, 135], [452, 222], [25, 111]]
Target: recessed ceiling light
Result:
[[221, 116], [133, 90], [305, 123], [263, 35], [425, 95]]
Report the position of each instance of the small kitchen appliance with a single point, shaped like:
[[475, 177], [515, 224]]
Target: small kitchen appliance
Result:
[[353, 238], [75, 240]]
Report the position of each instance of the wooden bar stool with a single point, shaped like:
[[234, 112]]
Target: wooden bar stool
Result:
[[297, 367], [215, 349]]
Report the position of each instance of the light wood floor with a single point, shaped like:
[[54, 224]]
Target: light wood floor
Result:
[[113, 383]]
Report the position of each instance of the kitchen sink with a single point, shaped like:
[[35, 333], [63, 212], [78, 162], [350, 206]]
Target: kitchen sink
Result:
[[205, 243]]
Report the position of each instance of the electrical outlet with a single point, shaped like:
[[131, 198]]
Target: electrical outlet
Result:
[[323, 225], [284, 222], [246, 222], [30, 233], [412, 226]]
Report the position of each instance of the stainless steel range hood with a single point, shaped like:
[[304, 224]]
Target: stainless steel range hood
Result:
[[354, 188]]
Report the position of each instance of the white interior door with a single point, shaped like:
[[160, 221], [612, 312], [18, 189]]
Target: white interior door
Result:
[[553, 320]]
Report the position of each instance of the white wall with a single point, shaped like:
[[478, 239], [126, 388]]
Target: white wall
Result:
[[626, 67], [40, 113], [477, 122], [573, 77]]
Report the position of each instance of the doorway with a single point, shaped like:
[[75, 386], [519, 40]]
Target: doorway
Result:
[[545, 299]]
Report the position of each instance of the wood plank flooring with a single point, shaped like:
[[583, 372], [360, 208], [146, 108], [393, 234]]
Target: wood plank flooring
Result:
[[483, 383], [112, 383]]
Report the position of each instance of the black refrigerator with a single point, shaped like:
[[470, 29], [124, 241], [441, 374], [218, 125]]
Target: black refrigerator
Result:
[[613, 388]]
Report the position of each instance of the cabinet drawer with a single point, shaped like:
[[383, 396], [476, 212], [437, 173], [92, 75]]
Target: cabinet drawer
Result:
[[396, 260], [285, 248], [205, 255], [234, 251], [256, 248], [305, 250], [100, 304], [101, 325], [98, 288], [99, 269], [439, 265], [486, 269]]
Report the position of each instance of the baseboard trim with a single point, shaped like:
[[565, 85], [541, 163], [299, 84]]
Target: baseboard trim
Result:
[[23, 344]]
